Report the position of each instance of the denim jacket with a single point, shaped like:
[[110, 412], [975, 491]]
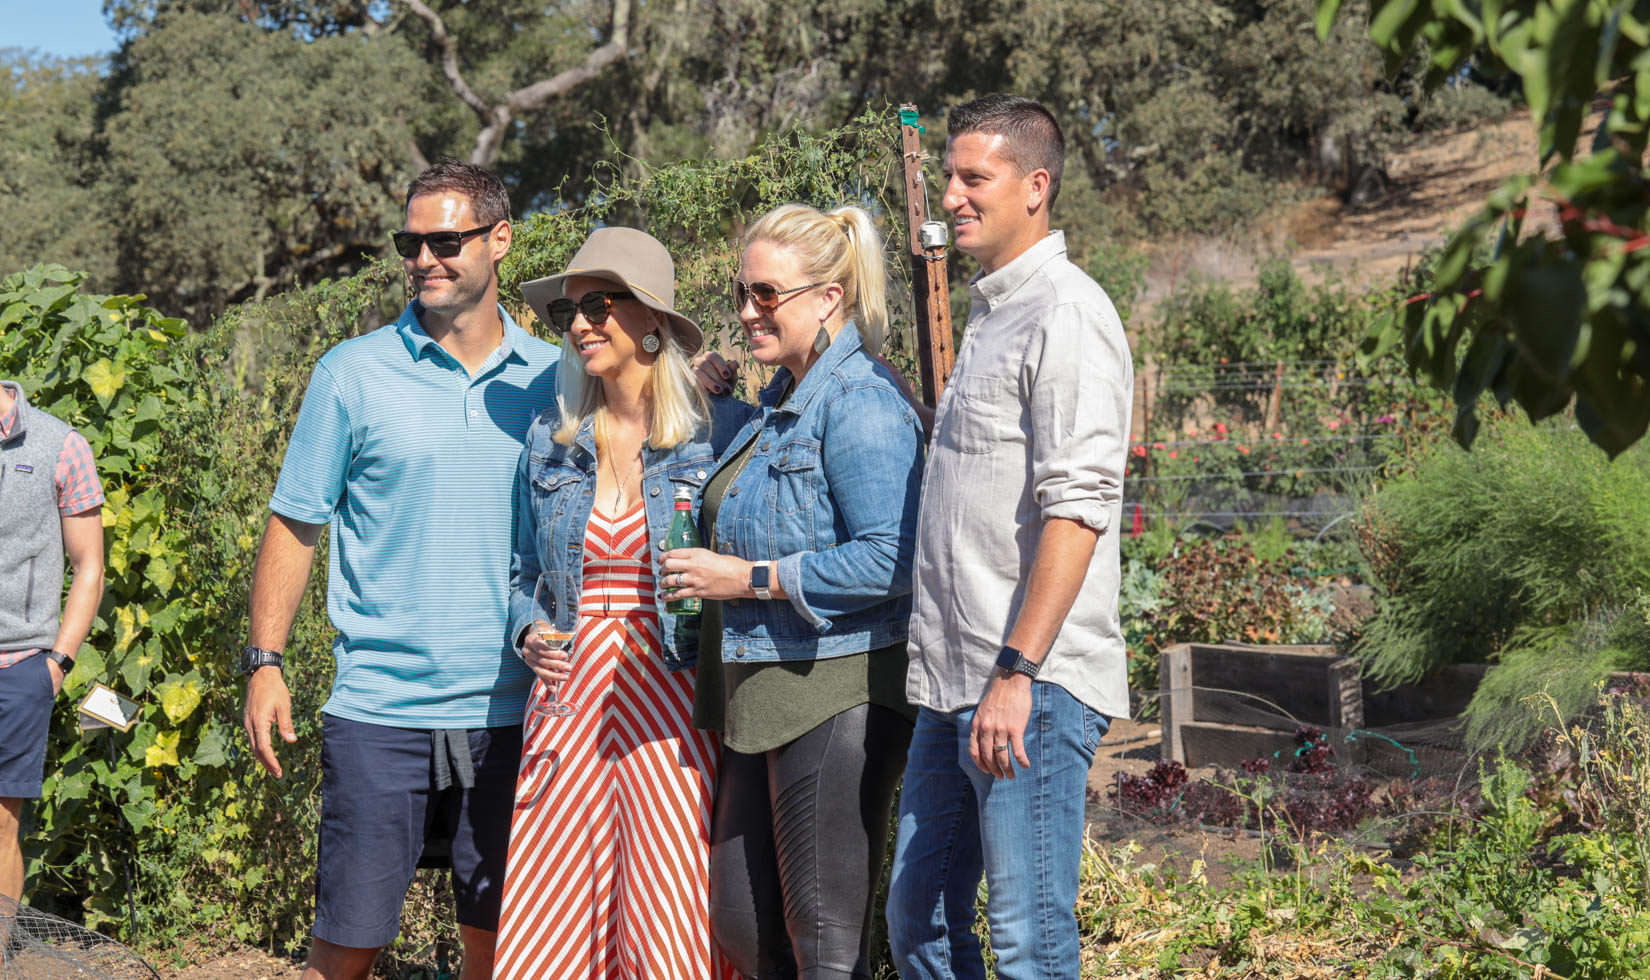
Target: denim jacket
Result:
[[830, 494], [555, 491]]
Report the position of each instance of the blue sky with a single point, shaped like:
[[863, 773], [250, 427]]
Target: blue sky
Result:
[[66, 28]]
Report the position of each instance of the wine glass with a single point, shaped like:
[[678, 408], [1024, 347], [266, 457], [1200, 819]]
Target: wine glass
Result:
[[543, 599]]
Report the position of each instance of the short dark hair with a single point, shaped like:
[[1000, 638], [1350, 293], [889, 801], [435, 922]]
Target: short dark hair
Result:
[[488, 198], [1033, 136]]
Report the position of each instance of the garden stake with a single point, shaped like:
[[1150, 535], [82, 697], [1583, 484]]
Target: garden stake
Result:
[[930, 289], [126, 856]]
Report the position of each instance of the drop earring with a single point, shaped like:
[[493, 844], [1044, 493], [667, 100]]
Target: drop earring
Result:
[[822, 340], [650, 343]]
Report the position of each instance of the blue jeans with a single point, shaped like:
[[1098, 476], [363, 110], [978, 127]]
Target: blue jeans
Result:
[[1024, 834]]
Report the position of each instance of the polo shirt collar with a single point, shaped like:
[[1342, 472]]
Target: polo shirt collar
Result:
[[1000, 285], [847, 341], [14, 421], [419, 343]]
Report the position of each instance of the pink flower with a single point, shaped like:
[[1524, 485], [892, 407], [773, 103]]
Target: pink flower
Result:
[[1386, 420], [1159, 445], [1334, 423], [1243, 449]]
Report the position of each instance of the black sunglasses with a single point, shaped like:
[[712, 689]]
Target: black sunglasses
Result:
[[595, 305], [765, 294], [443, 244]]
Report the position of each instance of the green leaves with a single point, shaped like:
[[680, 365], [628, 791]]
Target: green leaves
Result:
[[1567, 316]]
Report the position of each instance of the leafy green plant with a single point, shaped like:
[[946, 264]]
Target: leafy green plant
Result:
[[1213, 591], [113, 368], [1524, 553], [1549, 319]]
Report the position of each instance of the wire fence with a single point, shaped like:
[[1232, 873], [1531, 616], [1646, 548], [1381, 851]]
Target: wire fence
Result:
[[1256, 442]]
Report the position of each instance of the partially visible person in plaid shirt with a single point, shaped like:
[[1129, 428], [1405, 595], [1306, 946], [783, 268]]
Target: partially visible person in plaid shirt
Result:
[[33, 543]]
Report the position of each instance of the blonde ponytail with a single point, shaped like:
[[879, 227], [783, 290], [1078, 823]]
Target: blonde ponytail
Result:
[[841, 247]]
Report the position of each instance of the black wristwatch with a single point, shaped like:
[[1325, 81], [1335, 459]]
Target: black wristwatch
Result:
[[253, 657], [759, 580], [1015, 662], [63, 661]]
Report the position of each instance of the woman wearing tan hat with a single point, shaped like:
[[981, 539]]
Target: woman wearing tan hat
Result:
[[609, 845]]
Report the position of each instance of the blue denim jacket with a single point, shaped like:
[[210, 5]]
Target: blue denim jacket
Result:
[[555, 491], [830, 493]]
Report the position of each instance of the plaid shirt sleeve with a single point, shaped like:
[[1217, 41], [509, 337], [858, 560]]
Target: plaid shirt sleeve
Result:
[[78, 488]]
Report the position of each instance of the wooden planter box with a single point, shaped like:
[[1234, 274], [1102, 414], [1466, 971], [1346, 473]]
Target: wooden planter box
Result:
[[1203, 687], [1200, 683]]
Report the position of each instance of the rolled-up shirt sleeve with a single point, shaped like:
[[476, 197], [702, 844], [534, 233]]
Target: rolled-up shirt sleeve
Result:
[[1080, 378]]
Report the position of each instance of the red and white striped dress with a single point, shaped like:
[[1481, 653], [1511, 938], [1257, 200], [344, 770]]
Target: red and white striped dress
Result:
[[609, 843]]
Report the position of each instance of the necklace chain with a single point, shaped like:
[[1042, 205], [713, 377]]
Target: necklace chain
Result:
[[618, 493]]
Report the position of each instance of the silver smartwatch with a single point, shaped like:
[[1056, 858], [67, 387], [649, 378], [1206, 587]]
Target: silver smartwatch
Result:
[[759, 580]]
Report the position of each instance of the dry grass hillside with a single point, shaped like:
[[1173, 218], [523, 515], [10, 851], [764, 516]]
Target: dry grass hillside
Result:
[[1437, 182]]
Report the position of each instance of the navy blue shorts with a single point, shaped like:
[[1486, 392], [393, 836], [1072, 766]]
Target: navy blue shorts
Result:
[[379, 807], [25, 720]]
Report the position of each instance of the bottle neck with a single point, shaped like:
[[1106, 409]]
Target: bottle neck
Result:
[[684, 505]]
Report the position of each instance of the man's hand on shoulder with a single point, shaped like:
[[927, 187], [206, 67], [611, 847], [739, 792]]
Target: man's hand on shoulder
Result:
[[713, 373], [997, 740], [268, 703]]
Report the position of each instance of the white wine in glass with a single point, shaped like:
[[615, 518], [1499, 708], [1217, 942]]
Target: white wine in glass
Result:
[[543, 599]]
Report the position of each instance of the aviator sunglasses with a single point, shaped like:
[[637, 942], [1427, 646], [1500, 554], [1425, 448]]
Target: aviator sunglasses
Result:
[[764, 294], [595, 305], [443, 244]]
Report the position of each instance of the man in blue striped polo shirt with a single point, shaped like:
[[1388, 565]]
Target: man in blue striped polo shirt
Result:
[[406, 446]]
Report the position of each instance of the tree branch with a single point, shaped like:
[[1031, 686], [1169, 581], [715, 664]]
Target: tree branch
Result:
[[449, 59], [542, 93], [496, 119]]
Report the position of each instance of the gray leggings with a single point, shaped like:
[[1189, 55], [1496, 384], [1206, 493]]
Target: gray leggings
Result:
[[797, 843]]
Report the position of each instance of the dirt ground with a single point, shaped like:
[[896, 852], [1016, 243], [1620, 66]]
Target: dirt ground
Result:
[[1132, 747]]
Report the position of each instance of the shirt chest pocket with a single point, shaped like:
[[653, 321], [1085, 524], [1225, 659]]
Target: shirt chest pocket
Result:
[[971, 424], [794, 478], [554, 488]]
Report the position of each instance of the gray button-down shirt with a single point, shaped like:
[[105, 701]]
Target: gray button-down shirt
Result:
[[1033, 425]]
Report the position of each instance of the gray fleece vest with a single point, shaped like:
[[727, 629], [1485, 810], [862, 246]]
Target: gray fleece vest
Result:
[[31, 530]]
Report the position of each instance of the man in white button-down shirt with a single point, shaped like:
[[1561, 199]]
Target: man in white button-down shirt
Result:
[[1017, 656]]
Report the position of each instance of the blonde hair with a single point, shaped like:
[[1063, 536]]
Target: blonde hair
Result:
[[679, 406], [840, 246]]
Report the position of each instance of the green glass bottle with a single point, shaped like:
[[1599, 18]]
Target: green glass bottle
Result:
[[683, 534]]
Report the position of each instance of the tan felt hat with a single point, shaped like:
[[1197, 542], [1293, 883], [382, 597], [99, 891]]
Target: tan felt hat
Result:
[[625, 255]]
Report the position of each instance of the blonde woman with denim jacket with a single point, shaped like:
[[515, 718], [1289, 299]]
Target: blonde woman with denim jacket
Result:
[[809, 526]]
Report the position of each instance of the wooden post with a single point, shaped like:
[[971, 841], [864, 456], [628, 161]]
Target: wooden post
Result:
[[1174, 685], [1346, 710], [930, 291]]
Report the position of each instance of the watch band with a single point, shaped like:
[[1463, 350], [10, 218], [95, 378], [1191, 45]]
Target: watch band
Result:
[[254, 657], [1015, 662], [760, 580], [64, 662]]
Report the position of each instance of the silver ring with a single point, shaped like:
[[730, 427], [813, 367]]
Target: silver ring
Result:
[[1002, 748], [679, 579]]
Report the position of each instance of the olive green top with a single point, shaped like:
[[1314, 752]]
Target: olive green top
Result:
[[762, 706]]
